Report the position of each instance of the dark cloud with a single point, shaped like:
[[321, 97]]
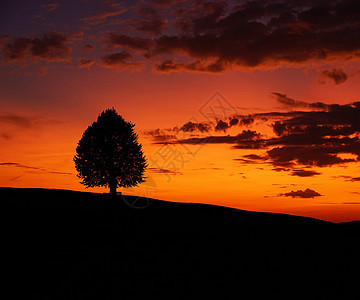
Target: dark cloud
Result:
[[336, 74], [246, 120], [50, 46], [199, 16], [149, 21], [247, 139], [173, 135], [289, 102], [308, 193], [254, 157], [354, 179], [204, 127], [116, 59], [254, 34], [221, 126], [85, 62], [166, 3], [320, 156], [318, 137], [304, 173], [159, 135], [233, 121], [102, 16], [191, 126], [88, 47], [213, 36], [323, 135], [196, 66], [50, 6], [122, 40]]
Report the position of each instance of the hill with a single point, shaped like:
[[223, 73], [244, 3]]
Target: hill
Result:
[[75, 245]]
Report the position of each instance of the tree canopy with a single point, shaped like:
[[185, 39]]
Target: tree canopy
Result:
[[109, 154]]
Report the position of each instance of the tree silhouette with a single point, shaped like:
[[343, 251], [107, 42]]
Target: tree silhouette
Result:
[[109, 154]]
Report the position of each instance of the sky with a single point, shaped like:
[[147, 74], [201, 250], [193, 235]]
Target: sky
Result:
[[246, 104]]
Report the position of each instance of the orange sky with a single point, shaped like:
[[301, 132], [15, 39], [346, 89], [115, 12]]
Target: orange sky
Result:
[[47, 101]]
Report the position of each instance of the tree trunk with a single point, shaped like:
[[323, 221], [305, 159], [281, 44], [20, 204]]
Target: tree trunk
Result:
[[112, 185]]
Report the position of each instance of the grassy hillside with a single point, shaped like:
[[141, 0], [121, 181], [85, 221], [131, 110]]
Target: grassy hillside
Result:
[[74, 245]]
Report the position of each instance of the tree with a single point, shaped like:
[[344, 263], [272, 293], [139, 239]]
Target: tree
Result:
[[109, 154]]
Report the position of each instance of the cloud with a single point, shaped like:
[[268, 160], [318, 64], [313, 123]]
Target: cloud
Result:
[[221, 126], [11, 124], [43, 71], [50, 46], [88, 48], [254, 157], [102, 16], [196, 66], [166, 3], [199, 16], [322, 135], [85, 62], [18, 165], [114, 40], [247, 139], [164, 171], [308, 193], [159, 135], [289, 102], [149, 21], [354, 179], [173, 135], [215, 36], [317, 137], [201, 127], [50, 6], [116, 59], [320, 156], [336, 74], [254, 33], [191, 127], [304, 173], [19, 120]]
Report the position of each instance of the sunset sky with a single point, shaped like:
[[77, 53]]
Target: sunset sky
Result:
[[247, 104]]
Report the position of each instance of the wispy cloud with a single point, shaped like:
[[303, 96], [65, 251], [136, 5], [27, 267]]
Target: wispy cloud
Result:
[[12, 123], [102, 16], [22, 166], [163, 171], [18, 120]]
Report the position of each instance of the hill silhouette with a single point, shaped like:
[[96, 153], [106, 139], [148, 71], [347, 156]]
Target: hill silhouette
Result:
[[75, 245]]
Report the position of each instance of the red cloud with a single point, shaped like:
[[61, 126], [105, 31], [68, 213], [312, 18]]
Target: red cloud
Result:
[[50, 46]]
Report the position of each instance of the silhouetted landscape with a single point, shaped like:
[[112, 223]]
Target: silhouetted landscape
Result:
[[63, 244]]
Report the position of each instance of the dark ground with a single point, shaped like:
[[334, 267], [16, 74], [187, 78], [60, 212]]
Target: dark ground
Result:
[[73, 245]]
